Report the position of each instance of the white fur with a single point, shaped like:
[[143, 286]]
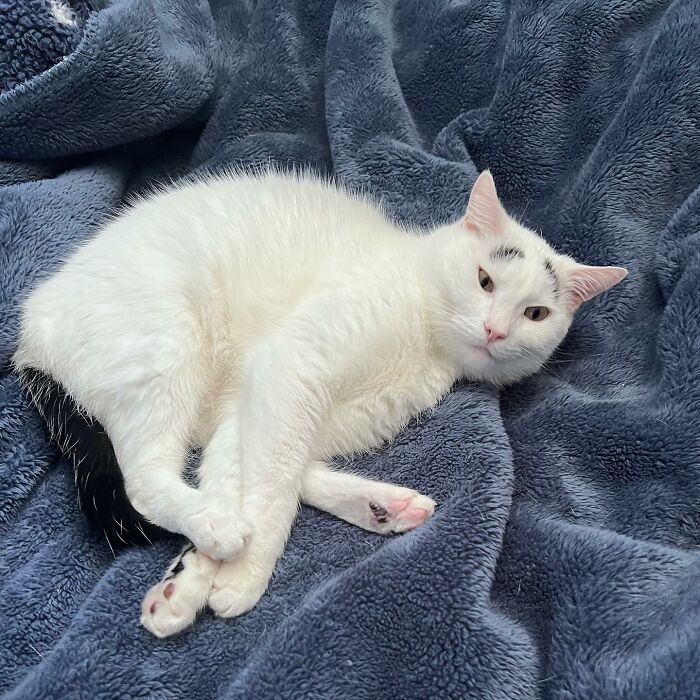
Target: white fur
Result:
[[62, 12], [278, 322]]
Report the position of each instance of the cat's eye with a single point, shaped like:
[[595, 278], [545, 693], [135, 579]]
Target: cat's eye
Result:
[[537, 313], [485, 281]]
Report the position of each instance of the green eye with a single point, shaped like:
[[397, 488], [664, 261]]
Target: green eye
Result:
[[537, 313], [485, 281]]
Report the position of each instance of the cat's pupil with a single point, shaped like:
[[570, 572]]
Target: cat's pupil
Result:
[[536, 313], [485, 281]]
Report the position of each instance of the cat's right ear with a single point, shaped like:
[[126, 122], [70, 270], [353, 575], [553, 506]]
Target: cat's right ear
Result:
[[485, 214]]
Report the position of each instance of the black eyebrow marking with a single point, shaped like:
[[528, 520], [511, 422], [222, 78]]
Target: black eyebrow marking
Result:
[[550, 271], [507, 253]]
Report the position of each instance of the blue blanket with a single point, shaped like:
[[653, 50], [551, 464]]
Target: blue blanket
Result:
[[563, 561]]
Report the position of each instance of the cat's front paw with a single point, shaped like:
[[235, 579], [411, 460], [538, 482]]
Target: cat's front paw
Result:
[[238, 587], [218, 534], [397, 509]]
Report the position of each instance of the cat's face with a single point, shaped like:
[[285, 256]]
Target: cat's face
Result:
[[506, 297]]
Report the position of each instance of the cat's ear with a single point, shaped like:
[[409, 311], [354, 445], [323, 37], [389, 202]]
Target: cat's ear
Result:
[[585, 282], [485, 214]]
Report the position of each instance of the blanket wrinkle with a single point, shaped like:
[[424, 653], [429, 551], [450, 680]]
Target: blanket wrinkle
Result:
[[563, 561]]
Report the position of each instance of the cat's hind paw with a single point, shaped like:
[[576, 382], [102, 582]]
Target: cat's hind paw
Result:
[[173, 604]]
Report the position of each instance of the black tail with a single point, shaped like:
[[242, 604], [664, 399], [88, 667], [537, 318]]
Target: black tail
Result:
[[97, 474]]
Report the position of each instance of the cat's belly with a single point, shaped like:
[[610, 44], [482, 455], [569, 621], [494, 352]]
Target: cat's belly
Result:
[[364, 424], [348, 434]]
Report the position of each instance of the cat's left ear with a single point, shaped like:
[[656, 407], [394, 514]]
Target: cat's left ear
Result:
[[585, 282], [485, 214]]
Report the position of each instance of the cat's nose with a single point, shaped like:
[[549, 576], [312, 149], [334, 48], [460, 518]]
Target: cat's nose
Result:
[[493, 333]]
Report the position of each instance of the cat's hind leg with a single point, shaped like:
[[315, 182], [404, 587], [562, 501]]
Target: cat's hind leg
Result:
[[373, 505], [173, 604], [220, 472]]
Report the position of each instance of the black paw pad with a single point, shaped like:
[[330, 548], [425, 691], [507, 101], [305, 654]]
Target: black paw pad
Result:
[[379, 513]]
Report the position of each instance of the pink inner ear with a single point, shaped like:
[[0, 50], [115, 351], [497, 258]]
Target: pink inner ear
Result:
[[484, 212], [586, 282]]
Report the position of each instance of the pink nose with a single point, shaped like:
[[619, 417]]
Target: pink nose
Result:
[[493, 333]]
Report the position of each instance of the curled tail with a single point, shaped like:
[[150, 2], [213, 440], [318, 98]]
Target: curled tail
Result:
[[98, 477]]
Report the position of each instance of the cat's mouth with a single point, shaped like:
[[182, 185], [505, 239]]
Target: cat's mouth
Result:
[[484, 351]]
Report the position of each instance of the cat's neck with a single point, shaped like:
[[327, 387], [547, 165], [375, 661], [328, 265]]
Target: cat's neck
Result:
[[433, 257]]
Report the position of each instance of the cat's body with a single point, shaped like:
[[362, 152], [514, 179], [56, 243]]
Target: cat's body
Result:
[[152, 298], [277, 322]]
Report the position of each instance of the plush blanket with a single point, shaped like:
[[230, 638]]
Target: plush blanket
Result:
[[563, 561]]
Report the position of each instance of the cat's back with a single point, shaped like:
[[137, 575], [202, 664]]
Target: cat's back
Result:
[[240, 248], [266, 239], [236, 229], [268, 210]]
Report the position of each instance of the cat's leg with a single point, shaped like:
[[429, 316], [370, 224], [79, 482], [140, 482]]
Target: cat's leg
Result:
[[373, 505], [287, 386], [220, 474], [238, 584], [278, 419], [173, 604], [151, 440]]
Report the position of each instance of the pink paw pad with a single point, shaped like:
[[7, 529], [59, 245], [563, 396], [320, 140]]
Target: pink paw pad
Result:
[[416, 516], [397, 506], [400, 514]]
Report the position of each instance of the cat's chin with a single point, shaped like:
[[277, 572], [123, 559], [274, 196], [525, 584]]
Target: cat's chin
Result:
[[477, 362], [481, 365], [506, 373]]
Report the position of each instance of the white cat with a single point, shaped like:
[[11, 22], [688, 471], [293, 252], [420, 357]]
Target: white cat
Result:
[[278, 322]]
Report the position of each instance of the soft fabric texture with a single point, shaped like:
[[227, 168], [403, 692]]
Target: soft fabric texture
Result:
[[563, 560], [36, 34]]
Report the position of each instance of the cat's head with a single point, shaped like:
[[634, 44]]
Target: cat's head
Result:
[[506, 299]]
